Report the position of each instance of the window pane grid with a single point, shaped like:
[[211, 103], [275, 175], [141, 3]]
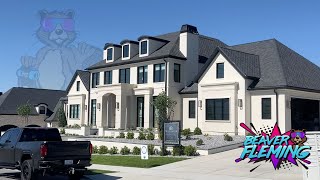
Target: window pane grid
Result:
[[159, 71], [192, 109], [220, 70], [266, 108], [176, 72], [124, 75], [109, 53], [217, 109]]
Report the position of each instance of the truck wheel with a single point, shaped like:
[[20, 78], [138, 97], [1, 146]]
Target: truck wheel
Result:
[[27, 171]]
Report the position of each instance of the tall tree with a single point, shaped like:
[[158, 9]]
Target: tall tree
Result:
[[62, 117], [165, 108], [24, 110]]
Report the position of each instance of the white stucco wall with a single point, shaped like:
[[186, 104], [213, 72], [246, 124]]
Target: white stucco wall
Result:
[[189, 122], [232, 86]]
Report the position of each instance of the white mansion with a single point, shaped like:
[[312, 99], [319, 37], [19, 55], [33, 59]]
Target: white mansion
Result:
[[216, 86]]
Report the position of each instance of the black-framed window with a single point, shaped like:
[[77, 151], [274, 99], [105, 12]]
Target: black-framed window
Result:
[[42, 110], [142, 74], [74, 111], [95, 79], [220, 70], [217, 109], [192, 109], [158, 72], [109, 54], [108, 77], [125, 51], [177, 72], [78, 85], [93, 112], [124, 75], [266, 108], [144, 47]]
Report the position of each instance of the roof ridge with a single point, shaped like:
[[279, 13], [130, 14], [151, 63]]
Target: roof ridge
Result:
[[211, 38], [37, 89], [237, 51], [272, 39]]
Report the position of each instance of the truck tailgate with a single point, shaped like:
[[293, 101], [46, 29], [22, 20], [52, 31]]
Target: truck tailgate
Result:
[[68, 150]]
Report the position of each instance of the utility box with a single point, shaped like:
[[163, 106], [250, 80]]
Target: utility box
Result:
[[313, 173]]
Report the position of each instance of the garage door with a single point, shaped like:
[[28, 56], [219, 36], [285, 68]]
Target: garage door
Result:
[[305, 114]]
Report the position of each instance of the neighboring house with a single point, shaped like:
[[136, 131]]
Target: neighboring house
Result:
[[42, 101], [216, 86]]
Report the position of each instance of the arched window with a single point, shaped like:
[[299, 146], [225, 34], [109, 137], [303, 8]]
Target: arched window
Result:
[[42, 109]]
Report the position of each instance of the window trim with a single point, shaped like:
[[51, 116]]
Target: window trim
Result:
[[112, 57], [189, 109], [125, 75], [263, 116], [217, 72], [105, 77], [129, 51], [140, 43], [214, 119], [154, 73], [144, 81], [174, 75]]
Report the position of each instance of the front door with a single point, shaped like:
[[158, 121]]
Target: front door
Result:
[[93, 112], [140, 113]]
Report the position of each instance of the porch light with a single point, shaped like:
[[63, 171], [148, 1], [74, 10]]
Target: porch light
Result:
[[118, 105], [86, 107], [98, 105], [240, 103], [200, 103]]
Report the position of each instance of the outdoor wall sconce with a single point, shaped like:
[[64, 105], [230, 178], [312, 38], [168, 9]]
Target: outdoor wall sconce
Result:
[[240, 104], [86, 107], [98, 105], [118, 105], [200, 104]]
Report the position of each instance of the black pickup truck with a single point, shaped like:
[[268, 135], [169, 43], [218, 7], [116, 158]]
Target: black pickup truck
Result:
[[39, 151]]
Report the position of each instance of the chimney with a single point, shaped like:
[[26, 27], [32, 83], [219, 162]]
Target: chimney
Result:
[[189, 47]]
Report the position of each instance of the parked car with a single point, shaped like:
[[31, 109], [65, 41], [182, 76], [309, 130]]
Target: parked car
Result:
[[39, 151]]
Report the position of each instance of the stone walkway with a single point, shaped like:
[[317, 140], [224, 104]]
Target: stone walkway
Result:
[[215, 166]]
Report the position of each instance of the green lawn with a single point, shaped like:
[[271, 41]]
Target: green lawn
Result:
[[133, 161], [95, 172]]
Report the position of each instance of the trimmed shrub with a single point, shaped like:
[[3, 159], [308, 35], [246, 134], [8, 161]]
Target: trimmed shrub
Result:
[[103, 150], [227, 137], [113, 150], [136, 151], [190, 150], [125, 150], [197, 131], [62, 131], [121, 135], [150, 136], [199, 142], [95, 150], [141, 136], [151, 149], [130, 135], [164, 152], [186, 133], [178, 150]]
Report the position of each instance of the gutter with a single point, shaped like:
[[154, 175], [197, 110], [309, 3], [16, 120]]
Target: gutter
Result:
[[89, 105], [277, 97]]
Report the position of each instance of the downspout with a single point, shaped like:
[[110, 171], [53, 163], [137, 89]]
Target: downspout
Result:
[[89, 105], [277, 113], [165, 81], [197, 111]]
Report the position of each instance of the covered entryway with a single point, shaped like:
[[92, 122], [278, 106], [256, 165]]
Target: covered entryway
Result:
[[305, 114], [109, 110]]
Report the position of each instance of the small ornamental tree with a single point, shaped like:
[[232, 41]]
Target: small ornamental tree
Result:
[[24, 110], [165, 108], [62, 117]]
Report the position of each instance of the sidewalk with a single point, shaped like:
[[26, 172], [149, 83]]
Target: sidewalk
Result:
[[215, 166]]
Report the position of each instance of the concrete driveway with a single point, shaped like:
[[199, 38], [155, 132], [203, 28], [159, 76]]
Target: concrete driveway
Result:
[[217, 166]]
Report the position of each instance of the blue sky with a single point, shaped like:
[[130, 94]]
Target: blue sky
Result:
[[293, 23]]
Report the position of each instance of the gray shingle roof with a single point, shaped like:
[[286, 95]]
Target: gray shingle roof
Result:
[[84, 76], [282, 67], [13, 98], [169, 49], [54, 116], [191, 89]]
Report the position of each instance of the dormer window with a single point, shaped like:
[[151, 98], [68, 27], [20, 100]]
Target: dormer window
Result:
[[144, 47], [42, 110], [109, 54], [126, 51]]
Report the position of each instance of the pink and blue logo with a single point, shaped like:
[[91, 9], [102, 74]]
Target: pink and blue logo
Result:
[[270, 145]]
